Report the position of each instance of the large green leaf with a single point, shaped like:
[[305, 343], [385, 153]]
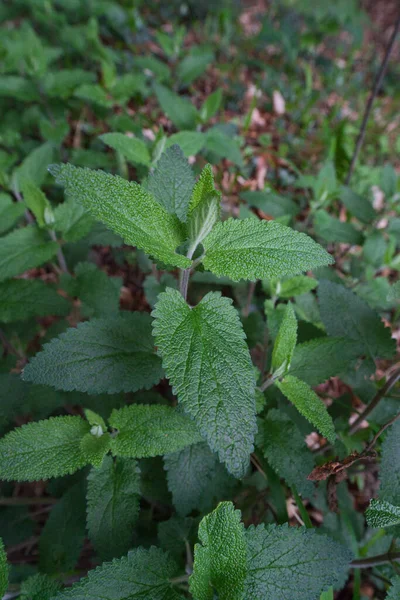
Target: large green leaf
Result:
[[102, 355], [151, 430], [207, 361], [126, 208], [113, 506], [253, 249], [220, 560], [290, 562]]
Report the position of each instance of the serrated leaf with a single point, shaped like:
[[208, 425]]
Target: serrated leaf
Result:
[[62, 537], [102, 355], [290, 562], [3, 570], [389, 474], [141, 574], [196, 479], [285, 342], [252, 249], [113, 506], [172, 182], [127, 209], [331, 229], [358, 206], [190, 142], [150, 430], [24, 249], [317, 360], [95, 445], [394, 292], [21, 299], [308, 404], [394, 590], [220, 560], [36, 201], [207, 361], [133, 149], [346, 315], [204, 208], [43, 449], [39, 587], [285, 448], [382, 514], [180, 110]]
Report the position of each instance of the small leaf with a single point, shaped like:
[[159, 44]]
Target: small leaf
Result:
[[172, 182], [291, 562], [145, 430], [39, 587], [102, 355], [331, 229], [204, 208], [36, 201], [98, 292], [208, 364], [295, 286], [126, 208], [3, 570], [223, 146], [308, 404], [21, 299], [44, 449], [358, 206], [382, 514], [211, 105], [95, 445], [190, 142], [133, 149], [252, 249], [285, 342], [24, 249], [180, 110], [143, 574], [220, 560], [10, 212], [113, 506]]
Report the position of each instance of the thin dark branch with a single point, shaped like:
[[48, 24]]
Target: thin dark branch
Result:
[[374, 561], [377, 84], [382, 429], [375, 401], [8, 345]]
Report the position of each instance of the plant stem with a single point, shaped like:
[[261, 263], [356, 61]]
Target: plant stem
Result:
[[302, 509], [24, 501], [185, 282], [382, 429], [374, 561], [60, 256], [374, 402], [181, 579], [377, 84], [267, 383], [250, 294]]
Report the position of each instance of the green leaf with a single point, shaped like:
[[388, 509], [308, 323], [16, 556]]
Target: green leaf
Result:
[[389, 474], [24, 249], [394, 293], [211, 105], [127, 209], [252, 249], [358, 206], [34, 166], [3, 570], [94, 94], [98, 292], [42, 450], [153, 287], [62, 537], [270, 203], [72, 220], [143, 574], [39, 587], [172, 182], [103, 355], [317, 360], [194, 64], [113, 506], [150, 430], [220, 560], [331, 229], [382, 514], [180, 110], [291, 562], [196, 479], [394, 591], [95, 445], [346, 315], [10, 212], [223, 146], [207, 361], [295, 286], [133, 149], [285, 342], [37, 202], [190, 142], [204, 208], [177, 534], [285, 448], [21, 299], [308, 404]]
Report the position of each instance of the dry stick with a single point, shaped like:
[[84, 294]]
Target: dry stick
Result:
[[381, 394], [368, 108]]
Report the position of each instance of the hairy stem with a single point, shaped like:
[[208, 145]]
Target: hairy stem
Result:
[[393, 379], [377, 84], [184, 282], [60, 255]]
